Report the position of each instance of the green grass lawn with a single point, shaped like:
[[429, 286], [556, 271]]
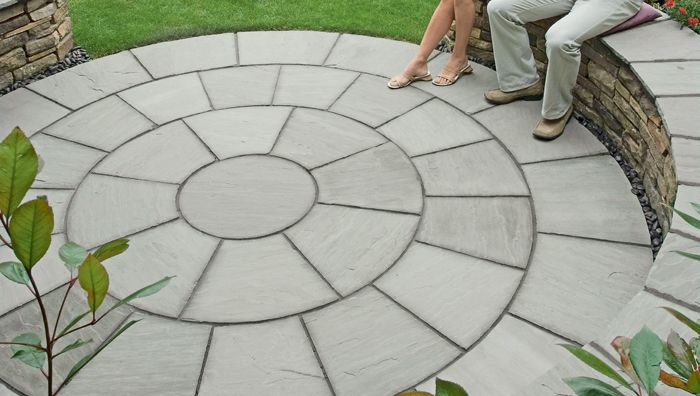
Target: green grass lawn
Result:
[[106, 26]]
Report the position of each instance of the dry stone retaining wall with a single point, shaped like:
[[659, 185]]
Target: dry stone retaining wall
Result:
[[34, 34]]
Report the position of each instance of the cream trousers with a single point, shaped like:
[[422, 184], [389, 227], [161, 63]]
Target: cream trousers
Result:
[[515, 63]]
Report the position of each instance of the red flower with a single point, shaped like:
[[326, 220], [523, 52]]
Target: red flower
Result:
[[693, 21], [670, 3], [682, 10]]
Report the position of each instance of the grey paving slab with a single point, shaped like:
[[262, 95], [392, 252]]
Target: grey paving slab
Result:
[[574, 287], [680, 115], [669, 78], [431, 127], [350, 247], [378, 178], [49, 274], [105, 124], [168, 154], [59, 200], [126, 205], [301, 47], [169, 98], [27, 110], [65, 163], [506, 361], [453, 292], [172, 249], [498, 229], [661, 43], [311, 86], [187, 55], [240, 86], [233, 132], [257, 280], [3, 389], [29, 380], [676, 275], [93, 80], [684, 197], [363, 353], [175, 352], [586, 197], [267, 358], [371, 54], [686, 155], [513, 124], [478, 169], [314, 138], [369, 100], [247, 197], [467, 93]]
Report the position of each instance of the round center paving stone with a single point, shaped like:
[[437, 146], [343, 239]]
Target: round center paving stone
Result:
[[247, 197]]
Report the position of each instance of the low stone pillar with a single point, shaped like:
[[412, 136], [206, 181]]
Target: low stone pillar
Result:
[[34, 34]]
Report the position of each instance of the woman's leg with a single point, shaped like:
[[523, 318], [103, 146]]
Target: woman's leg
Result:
[[437, 28], [464, 21]]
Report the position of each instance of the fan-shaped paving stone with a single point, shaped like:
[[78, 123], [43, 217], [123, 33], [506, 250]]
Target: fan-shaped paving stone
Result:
[[330, 236]]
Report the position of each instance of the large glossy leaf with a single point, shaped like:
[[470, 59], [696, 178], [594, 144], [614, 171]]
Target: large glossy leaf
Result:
[[646, 355], [26, 354], [672, 380], [595, 363], [72, 255], [447, 388], [585, 386], [94, 279], [15, 272], [30, 231], [693, 385], [145, 292], [684, 319], [681, 350], [111, 249], [18, 169], [695, 222], [85, 360], [74, 345]]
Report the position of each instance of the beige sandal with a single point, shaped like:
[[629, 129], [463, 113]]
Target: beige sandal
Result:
[[409, 80], [467, 69]]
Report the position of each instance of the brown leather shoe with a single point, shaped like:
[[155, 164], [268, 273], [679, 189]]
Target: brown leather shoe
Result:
[[533, 92], [552, 129]]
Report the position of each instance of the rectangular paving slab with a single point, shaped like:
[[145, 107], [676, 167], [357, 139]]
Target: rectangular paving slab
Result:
[[685, 196], [662, 42], [65, 163], [674, 274], [309, 86], [298, 47], [27, 110], [686, 155], [680, 115], [670, 78], [240, 86]]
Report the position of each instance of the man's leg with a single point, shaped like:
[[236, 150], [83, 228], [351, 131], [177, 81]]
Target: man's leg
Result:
[[515, 63], [587, 19]]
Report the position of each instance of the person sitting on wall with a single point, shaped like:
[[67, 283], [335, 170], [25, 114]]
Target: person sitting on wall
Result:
[[515, 63]]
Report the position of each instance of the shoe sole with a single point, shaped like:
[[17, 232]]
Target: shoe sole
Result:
[[529, 98]]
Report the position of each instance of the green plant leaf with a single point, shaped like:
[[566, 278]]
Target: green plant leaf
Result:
[[73, 323], [447, 388], [694, 383], [72, 255], [111, 249], [595, 363], [29, 355], [94, 279], [684, 319], [145, 292], [18, 169], [15, 272], [585, 386], [688, 218], [681, 350], [696, 207], [85, 360], [74, 345], [646, 355], [30, 231], [689, 255], [676, 365]]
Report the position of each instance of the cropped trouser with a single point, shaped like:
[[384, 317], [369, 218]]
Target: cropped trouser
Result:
[[515, 63]]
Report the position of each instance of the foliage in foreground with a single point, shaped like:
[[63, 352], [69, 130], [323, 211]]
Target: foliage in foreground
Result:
[[686, 12], [26, 229], [442, 388], [646, 359]]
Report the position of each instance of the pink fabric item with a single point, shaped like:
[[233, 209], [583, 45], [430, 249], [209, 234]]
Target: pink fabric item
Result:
[[646, 13]]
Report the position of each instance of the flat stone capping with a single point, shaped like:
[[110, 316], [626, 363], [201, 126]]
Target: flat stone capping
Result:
[[34, 34]]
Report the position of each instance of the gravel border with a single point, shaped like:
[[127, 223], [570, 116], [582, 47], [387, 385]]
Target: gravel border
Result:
[[78, 55]]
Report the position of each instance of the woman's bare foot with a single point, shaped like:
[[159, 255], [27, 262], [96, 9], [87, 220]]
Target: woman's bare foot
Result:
[[451, 70], [415, 68]]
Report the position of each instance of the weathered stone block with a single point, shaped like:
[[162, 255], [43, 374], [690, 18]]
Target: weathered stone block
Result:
[[43, 29], [64, 46], [13, 24], [8, 44], [40, 45], [26, 27], [602, 77], [5, 80], [621, 90], [35, 4], [43, 12], [40, 55], [35, 67], [11, 12], [12, 60], [630, 81], [60, 14], [584, 95], [638, 109], [65, 28]]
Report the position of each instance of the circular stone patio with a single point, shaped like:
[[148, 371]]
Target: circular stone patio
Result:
[[329, 236]]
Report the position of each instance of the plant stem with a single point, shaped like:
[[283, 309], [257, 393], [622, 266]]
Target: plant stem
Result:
[[39, 347], [60, 310], [47, 332], [3, 220]]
